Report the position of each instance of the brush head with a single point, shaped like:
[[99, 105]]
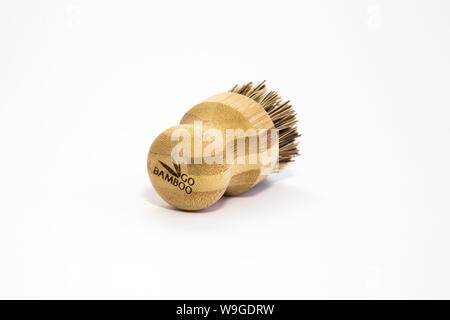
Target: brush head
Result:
[[282, 114]]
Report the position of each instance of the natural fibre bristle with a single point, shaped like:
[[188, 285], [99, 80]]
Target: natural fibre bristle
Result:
[[282, 114]]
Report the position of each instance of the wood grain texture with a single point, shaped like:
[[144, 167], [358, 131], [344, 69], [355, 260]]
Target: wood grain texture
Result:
[[209, 181]]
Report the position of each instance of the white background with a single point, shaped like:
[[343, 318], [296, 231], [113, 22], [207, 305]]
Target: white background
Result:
[[85, 87]]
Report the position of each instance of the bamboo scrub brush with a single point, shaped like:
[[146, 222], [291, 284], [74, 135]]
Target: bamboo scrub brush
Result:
[[224, 145]]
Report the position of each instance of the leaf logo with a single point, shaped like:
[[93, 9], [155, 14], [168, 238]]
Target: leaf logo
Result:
[[175, 177], [176, 172]]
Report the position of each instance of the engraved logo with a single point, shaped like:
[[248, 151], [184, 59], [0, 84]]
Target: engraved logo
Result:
[[175, 177]]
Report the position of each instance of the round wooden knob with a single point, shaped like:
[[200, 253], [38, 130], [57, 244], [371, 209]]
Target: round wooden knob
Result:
[[187, 186]]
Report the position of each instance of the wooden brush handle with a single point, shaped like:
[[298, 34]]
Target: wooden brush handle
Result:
[[198, 186]]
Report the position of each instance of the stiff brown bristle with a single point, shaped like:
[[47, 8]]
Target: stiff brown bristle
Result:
[[282, 114]]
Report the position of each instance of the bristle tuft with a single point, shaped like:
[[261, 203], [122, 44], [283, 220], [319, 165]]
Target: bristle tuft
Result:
[[282, 114]]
